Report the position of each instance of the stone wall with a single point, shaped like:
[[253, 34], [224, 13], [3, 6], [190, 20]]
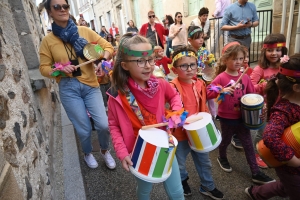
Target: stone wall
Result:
[[28, 103]]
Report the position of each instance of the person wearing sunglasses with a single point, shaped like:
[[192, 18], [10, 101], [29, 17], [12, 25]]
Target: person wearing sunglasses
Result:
[[203, 22], [78, 87], [154, 31], [178, 32]]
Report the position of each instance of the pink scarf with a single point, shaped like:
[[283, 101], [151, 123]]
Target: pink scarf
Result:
[[147, 97]]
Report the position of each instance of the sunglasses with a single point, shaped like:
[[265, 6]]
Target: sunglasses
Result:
[[58, 7], [179, 16], [151, 16]]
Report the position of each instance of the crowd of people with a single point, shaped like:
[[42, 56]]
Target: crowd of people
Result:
[[130, 96]]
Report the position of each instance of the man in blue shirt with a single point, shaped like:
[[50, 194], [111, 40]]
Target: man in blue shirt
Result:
[[238, 19]]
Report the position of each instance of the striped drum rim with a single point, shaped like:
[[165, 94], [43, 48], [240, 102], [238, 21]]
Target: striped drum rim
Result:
[[291, 137], [150, 157], [252, 107], [203, 135]]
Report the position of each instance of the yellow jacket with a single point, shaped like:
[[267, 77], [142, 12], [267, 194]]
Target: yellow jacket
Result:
[[52, 50]]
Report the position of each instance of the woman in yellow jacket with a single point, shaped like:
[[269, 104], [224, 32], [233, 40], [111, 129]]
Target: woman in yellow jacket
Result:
[[78, 88]]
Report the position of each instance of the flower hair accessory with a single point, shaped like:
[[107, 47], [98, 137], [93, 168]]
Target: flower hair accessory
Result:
[[57, 69], [136, 53], [284, 59], [183, 54], [195, 31], [274, 45]]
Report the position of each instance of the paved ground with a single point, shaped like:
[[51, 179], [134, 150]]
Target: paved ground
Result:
[[105, 184]]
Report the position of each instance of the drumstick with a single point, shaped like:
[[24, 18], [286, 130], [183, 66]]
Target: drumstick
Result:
[[188, 121], [85, 63], [240, 77]]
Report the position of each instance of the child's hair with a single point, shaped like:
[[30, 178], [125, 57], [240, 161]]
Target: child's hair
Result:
[[119, 75], [284, 85], [194, 32], [182, 49], [271, 39], [230, 50], [156, 50]]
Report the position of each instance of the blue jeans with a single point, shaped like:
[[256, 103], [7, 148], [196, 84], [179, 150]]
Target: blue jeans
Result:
[[76, 99], [172, 185], [201, 161]]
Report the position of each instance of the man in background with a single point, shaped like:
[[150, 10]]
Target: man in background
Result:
[[219, 12]]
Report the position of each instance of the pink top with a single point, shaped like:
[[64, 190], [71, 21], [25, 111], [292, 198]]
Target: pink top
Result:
[[230, 107], [119, 123], [260, 73]]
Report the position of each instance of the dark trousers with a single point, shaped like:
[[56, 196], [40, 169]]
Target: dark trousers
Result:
[[235, 126], [287, 186]]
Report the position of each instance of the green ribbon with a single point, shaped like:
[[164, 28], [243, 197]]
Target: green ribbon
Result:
[[57, 73]]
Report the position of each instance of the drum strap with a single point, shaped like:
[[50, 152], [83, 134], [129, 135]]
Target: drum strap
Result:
[[135, 106], [196, 94]]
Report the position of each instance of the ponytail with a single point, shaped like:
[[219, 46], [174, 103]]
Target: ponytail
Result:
[[272, 93]]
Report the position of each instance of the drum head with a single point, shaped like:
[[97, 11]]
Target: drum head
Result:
[[200, 123], [92, 51], [208, 74], [156, 137], [252, 99]]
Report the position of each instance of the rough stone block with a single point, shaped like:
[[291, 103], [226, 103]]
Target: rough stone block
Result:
[[4, 112], [16, 74], [17, 132], [11, 94], [2, 72], [36, 79]]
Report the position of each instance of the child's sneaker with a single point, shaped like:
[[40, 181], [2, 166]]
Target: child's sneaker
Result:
[[248, 191], [261, 178], [90, 161], [224, 164], [260, 162], [109, 161], [236, 142], [214, 194], [186, 188]]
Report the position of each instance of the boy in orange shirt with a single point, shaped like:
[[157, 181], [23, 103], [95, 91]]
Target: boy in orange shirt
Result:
[[193, 96]]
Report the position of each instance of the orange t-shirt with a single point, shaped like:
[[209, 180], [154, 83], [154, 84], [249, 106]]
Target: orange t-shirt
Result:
[[149, 118], [190, 105]]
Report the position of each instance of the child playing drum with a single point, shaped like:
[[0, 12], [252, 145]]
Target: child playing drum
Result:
[[230, 93], [137, 98], [193, 95], [283, 114], [268, 65]]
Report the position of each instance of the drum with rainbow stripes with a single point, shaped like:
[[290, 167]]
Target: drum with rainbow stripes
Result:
[[291, 137], [151, 160], [252, 107], [203, 135]]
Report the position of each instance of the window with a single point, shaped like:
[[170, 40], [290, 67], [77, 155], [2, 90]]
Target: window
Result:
[[195, 6]]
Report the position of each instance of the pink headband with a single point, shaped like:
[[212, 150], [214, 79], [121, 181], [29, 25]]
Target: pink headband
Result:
[[229, 45]]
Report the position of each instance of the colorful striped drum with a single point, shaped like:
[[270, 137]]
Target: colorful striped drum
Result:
[[291, 137], [151, 160], [203, 135], [252, 107]]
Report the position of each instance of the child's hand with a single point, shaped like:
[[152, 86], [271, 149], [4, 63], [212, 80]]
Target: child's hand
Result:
[[263, 113], [229, 89], [99, 71], [294, 162], [126, 162]]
